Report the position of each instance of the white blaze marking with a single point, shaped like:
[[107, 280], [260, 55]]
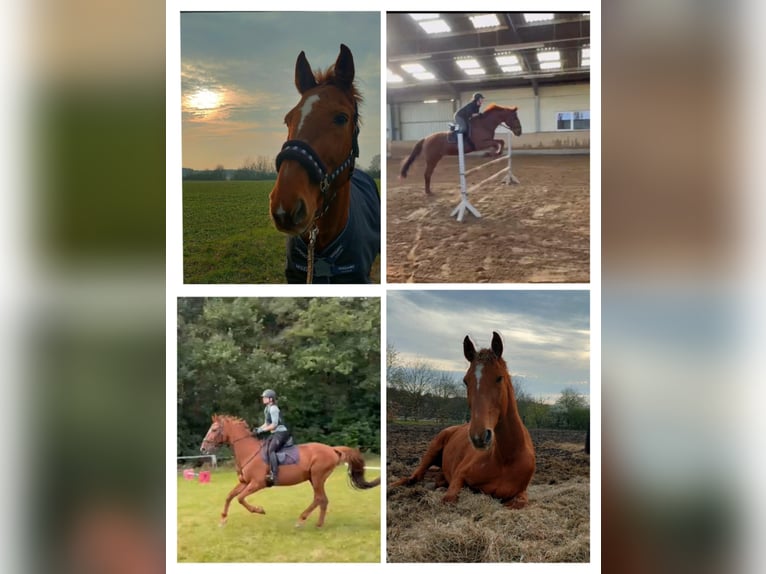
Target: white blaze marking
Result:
[[478, 375], [306, 109]]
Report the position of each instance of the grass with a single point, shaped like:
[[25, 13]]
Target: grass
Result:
[[228, 236], [351, 532]]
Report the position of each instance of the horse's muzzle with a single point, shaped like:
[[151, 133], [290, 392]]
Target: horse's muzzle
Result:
[[483, 441], [294, 221]]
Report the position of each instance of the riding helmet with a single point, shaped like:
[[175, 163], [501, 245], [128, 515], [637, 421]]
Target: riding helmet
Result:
[[477, 95], [269, 394]]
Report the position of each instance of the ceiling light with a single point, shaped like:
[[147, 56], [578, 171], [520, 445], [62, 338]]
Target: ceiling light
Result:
[[424, 16], [430, 101], [413, 68], [393, 78], [586, 63], [424, 76], [506, 60], [475, 71], [549, 56], [467, 63], [586, 53], [515, 68], [485, 21], [550, 65], [434, 26], [538, 16]]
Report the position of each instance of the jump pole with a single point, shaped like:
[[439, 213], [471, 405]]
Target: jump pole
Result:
[[464, 203], [511, 178]]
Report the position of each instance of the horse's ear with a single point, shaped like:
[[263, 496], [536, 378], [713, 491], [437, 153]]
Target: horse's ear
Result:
[[515, 108], [468, 349], [497, 344], [344, 67], [304, 77]]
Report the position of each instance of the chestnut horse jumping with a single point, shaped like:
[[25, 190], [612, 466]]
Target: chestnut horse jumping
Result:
[[493, 453], [316, 463], [436, 146], [330, 212]]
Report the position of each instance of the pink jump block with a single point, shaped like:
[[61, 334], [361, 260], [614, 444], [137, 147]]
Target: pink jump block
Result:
[[204, 476]]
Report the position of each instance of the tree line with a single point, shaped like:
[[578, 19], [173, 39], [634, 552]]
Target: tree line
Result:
[[260, 168], [321, 355], [415, 391]]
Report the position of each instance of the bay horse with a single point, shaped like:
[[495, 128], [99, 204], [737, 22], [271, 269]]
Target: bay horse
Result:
[[493, 453], [316, 463], [483, 126], [330, 212]]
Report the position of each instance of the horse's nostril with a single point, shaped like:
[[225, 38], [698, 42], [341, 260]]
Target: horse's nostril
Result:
[[299, 213], [487, 436]]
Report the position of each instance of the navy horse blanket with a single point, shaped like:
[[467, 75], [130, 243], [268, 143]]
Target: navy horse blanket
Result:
[[349, 258]]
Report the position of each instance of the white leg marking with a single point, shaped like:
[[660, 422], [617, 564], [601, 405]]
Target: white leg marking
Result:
[[478, 375], [306, 109]]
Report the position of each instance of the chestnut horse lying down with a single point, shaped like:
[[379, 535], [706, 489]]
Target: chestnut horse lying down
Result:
[[493, 453]]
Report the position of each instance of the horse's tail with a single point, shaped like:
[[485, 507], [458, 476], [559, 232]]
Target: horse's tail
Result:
[[412, 157], [355, 462]]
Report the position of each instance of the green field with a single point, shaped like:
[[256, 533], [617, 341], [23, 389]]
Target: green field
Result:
[[228, 236], [351, 532]]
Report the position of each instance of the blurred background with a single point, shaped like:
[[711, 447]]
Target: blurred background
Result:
[[83, 340]]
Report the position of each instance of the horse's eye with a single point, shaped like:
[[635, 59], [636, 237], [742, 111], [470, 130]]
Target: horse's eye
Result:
[[499, 379], [340, 120]]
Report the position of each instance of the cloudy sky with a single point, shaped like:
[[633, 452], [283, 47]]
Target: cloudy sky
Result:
[[237, 78], [546, 333]]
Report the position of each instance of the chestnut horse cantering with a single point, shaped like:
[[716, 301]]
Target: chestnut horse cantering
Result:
[[316, 463], [483, 127], [493, 453], [330, 212]]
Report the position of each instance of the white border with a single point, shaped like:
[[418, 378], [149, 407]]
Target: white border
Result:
[[175, 287]]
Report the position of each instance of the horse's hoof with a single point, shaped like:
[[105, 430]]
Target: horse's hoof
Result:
[[300, 524], [449, 498], [222, 523]]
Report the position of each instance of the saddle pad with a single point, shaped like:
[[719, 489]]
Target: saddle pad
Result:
[[349, 258], [288, 455]]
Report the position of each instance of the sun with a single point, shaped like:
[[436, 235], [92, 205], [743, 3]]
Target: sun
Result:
[[205, 100]]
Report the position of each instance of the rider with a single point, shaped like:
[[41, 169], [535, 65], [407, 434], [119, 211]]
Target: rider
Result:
[[464, 114], [274, 423]]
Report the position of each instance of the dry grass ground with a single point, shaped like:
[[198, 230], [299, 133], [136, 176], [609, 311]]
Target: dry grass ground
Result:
[[554, 527]]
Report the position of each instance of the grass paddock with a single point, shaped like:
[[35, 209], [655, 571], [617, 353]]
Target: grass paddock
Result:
[[351, 532]]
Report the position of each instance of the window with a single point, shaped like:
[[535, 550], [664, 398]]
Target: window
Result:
[[573, 121]]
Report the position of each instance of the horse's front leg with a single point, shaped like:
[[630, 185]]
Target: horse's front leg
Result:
[[249, 489], [500, 144], [234, 492]]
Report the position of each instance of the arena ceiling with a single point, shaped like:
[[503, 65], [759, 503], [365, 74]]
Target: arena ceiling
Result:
[[513, 50]]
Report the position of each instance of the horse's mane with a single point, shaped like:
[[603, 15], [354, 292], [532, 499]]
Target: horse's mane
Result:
[[327, 78], [492, 107], [233, 419]]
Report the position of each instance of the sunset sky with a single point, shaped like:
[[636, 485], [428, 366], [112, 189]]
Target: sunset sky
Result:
[[237, 79], [546, 334]]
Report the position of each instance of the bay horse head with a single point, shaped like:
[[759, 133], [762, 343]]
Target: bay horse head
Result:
[[318, 157], [489, 388]]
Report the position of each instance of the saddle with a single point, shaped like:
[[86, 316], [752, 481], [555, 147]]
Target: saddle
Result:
[[468, 145], [288, 454]]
